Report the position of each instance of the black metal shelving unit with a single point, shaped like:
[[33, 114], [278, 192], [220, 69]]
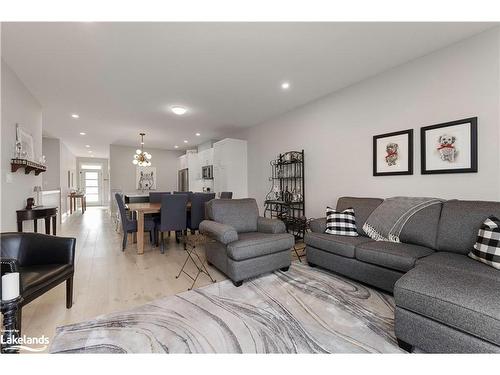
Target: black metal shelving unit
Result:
[[286, 199]]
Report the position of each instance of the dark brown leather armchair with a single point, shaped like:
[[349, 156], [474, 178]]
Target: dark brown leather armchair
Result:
[[43, 262]]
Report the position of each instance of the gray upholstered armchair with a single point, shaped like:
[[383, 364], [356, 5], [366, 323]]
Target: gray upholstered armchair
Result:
[[245, 245]]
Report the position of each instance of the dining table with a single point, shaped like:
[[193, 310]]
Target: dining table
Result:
[[142, 209]]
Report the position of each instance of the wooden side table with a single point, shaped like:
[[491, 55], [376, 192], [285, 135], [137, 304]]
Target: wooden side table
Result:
[[73, 200], [40, 212]]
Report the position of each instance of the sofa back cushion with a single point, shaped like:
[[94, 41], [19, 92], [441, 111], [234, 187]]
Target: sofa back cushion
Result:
[[363, 207], [241, 214], [460, 223], [422, 228]]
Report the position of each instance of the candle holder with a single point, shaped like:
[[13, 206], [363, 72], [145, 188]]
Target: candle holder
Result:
[[10, 333]]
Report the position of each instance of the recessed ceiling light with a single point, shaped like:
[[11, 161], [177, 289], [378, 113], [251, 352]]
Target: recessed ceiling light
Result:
[[285, 85], [176, 146], [74, 115], [91, 156], [185, 141], [178, 110], [198, 134], [82, 133], [90, 151], [87, 146]]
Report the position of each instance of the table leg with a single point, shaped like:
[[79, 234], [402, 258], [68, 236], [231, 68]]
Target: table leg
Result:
[[70, 205], [19, 226], [84, 199], [35, 225], [54, 224], [47, 225], [140, 232]]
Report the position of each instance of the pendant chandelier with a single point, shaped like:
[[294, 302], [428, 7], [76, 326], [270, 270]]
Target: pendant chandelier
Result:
[[141, 157]]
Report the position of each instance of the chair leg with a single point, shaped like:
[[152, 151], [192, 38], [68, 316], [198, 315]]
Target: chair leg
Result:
[[151, 237], [169, 233], [238, 283], [124, 244], [69, 292], [177, 237], [405, 346], [162, 243]]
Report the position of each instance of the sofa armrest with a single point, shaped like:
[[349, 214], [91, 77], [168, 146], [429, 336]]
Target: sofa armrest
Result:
[[9, 265], [223, 233], [266, 225], [318, 225], [39, 249]]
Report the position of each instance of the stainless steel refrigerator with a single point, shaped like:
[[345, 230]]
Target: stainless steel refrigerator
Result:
[[183, 180]]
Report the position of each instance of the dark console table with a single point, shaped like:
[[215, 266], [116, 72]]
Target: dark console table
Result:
[[41, 212]]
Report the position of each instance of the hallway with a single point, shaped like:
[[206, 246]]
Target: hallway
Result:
[[107, 279]]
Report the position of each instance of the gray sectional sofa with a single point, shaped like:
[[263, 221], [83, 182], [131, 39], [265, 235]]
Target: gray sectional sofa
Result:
[[244, 244], [445, 301]]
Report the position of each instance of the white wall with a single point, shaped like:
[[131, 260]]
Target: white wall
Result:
[[52, 151], [67, 163], [336, 132], [18, 106], [122, 171]]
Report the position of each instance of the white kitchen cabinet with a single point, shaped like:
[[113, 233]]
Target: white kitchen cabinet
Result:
[[182, 162], [230, 167]]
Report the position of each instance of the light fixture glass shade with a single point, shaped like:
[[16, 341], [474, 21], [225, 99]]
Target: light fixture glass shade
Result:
[[148, 156], [135, 161], [138, 152]]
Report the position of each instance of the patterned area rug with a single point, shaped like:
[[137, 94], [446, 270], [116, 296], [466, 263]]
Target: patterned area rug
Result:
[[304, 310]]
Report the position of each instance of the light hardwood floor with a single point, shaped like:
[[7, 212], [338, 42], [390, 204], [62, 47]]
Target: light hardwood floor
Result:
[[108, 279]]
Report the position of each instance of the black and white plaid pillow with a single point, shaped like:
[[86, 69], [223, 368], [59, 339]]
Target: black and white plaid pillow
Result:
[[487, 247], [341, 223]]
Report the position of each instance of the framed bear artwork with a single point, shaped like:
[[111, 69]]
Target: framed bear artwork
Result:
[[393, 153], [450, 147]]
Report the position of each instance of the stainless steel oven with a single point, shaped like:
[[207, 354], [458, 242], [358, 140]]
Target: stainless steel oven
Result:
[[207, 172]]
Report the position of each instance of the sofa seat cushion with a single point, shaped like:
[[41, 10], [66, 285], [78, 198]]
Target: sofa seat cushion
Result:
[[339, 245], [466, 301], [34, 278], [461, 262], [394, 255], [256, 244]]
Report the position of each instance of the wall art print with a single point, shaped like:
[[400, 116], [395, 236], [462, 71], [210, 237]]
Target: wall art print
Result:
[[393, 153], [146, 178], [449, 147]]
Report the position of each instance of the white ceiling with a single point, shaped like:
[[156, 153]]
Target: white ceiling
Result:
[[122, 77]]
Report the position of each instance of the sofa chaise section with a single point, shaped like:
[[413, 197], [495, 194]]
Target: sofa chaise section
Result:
[[450, 303]]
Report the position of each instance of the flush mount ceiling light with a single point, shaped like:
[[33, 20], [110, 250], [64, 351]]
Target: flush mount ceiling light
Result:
[[82, 133], [141, 157], [87, 146], [178, 110], [74, 115], [197, 134], [185, 141], [285, 85], [176, 146]]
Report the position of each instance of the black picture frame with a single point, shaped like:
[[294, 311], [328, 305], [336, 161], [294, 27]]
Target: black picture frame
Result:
[[409, 171], [473, 147]]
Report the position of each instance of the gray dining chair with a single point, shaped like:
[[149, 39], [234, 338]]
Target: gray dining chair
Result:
[[155, 197], [197, 213], [172, 216], [226, 195], [130, 226], [188, 193]]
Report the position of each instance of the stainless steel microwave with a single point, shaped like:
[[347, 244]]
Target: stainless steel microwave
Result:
[[207, 172]]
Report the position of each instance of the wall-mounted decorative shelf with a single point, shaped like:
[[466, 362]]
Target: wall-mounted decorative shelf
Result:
[[28, 166]]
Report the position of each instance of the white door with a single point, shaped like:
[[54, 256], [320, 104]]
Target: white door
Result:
[[92, 183]]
